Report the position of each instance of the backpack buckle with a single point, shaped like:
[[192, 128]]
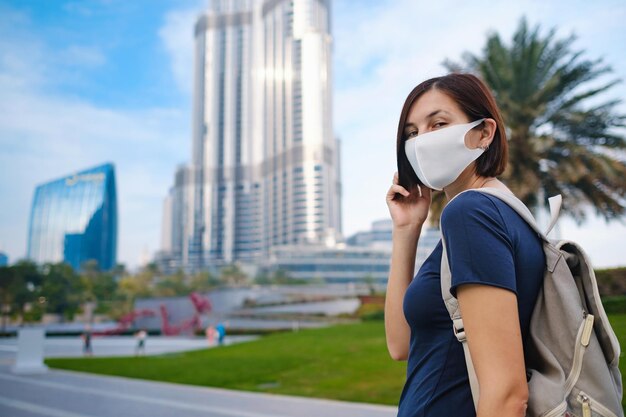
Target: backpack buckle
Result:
[[459, 330]]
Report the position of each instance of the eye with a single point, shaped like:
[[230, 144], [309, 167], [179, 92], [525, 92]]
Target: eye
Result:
[[439, 124], [411, 134]]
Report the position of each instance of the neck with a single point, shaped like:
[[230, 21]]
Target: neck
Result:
[[467, 180]]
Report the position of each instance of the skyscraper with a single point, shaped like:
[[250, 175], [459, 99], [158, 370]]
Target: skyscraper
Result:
[[176, 212], [265, 163], [74, 219]]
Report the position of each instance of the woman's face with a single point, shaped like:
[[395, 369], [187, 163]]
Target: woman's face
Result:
[[436, 110]]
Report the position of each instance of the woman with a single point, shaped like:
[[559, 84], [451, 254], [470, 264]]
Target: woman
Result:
[[451, 137]]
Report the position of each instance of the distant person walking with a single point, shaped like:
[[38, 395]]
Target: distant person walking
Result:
[[221, 333], [210, 334], [141, 337], [86, 336]]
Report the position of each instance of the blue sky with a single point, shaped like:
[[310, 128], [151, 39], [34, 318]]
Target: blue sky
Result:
[[85, 82]]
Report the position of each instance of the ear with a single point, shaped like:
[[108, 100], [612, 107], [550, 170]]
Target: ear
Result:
[[487, 132]]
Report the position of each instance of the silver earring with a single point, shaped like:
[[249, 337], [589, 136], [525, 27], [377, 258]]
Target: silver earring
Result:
[[484, 148]]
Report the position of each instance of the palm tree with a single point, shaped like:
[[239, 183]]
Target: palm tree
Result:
[[561, 141]]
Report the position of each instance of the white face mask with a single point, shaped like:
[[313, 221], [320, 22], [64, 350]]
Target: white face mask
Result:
[[439, 157]]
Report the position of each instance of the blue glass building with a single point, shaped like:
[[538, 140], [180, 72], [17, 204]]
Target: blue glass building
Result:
[[74, 219]]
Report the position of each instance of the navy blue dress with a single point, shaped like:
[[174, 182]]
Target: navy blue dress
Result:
[[487, 243]]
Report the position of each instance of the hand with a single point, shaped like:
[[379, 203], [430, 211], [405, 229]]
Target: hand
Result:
[[410, 210]]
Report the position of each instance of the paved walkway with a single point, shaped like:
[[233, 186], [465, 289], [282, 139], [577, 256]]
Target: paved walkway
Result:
[[58, 347], [73, 394]]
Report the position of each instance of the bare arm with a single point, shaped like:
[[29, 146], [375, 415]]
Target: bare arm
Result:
[[492, 328], [400, 275], [408, 213]]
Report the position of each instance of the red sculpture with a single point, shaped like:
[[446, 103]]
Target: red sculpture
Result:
[[201, 305]]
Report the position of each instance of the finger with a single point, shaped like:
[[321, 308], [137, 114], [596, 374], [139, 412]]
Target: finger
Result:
[[419, 189], [397, 189], [395, 178]]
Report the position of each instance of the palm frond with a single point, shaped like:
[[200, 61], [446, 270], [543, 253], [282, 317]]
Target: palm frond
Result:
[[558, 142]]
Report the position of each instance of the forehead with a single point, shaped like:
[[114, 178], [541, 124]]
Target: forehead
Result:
[[429, 102]]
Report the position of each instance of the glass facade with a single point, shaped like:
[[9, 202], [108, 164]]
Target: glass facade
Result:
[[340, 264], [74, 219], [265, 161]]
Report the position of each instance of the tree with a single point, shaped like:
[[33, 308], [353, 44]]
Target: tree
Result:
[[99, 287], [20, 285], [131, 287], [233, 275], [562, 138], [279, 277], [62, 289], [171, 286], [203, 281], [370, 281], [263, 278]]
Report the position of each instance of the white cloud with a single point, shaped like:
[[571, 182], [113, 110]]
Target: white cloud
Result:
[[178, 39]]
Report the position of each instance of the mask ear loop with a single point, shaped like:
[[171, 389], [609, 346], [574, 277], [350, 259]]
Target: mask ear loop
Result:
[[479, 121], [476, 123]]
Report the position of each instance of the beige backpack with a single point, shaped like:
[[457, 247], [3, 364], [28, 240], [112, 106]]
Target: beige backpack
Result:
[[572, 354]]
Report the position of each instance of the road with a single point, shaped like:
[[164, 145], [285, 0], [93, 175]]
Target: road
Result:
[[72, 394]]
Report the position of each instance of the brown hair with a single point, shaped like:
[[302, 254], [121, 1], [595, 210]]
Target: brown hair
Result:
[[477, 102]]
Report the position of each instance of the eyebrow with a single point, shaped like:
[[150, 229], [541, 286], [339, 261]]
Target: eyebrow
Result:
[[429, 116]]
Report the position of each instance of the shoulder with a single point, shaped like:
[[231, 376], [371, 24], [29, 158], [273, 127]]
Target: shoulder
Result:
[[470, 206]]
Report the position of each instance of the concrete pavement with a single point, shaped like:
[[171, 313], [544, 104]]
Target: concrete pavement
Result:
[[61, 347], [72, 394]]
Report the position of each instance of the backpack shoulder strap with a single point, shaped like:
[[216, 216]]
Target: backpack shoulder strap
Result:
[[452, 304], [521, 209]]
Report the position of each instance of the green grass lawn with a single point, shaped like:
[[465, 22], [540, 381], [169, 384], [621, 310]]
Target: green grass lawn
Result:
[[345, 362], [618, 321]]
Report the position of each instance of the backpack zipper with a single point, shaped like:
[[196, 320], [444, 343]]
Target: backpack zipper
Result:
[[589, 318], [586, 407], [588, 403], [582, 341]]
